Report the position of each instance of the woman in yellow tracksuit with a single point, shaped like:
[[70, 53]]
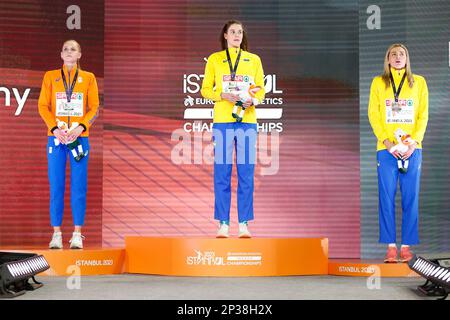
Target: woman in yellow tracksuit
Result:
[[227, 72], [398, 100], [68, 104]]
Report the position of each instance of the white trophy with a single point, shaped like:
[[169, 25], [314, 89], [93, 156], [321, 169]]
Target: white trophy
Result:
[[75, 146], [246, 94]]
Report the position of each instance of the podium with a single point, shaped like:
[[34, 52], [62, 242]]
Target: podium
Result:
[[94, 261], [368, 268], [226, 257], [204, 257]]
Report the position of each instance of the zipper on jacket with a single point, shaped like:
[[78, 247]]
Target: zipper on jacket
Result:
[[68, 116]]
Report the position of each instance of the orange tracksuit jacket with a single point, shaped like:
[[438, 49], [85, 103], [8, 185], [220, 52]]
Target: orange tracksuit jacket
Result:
[[53, 94]]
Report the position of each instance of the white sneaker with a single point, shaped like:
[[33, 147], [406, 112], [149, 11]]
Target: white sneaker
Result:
[[243, 231], [77, 241], [56, 242], [223, 231]]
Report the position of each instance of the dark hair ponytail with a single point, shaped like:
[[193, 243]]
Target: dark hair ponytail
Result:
[[223, 41]]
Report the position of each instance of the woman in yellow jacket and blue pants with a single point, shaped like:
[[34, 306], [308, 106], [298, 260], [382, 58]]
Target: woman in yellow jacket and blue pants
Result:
[[226, 71], [398, 103], [68, 100]]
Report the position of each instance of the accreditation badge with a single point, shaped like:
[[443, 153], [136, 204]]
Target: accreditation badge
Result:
[[400, 112], [240, 81], [74, 108], [230, 85]]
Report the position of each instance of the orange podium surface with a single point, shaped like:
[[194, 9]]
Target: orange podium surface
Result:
[[226, 257], [367, 268], [66, 262]]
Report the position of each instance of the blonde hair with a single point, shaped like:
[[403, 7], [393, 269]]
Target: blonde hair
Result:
[[387, 69], [78, 47]]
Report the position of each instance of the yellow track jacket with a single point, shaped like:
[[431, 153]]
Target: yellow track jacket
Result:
[[217, 73], [84, 102], [412, 118]]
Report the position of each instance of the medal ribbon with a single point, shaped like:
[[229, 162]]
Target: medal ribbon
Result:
[[69, 90], [397, 92], [233, 70]]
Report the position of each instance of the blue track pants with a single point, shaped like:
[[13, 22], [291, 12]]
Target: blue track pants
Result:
[[57, 159], [227, 137], [388, 176]]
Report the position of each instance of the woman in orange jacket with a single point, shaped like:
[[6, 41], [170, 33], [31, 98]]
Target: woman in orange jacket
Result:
[[68, 104]]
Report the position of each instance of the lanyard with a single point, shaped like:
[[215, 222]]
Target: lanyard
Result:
[[69, 90], [233, 70], [397, 92]]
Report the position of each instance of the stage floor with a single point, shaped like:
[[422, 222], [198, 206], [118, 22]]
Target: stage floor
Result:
[[143, 287]]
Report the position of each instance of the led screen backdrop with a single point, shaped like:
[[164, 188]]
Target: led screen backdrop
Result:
[[157, 145], [31, 38], [424, 27], [150, 171]]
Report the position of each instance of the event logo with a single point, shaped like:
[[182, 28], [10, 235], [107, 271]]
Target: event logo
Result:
[[198, 108], [244, 258], [209, 258], [194, 141], [205, 258], [189, 101]]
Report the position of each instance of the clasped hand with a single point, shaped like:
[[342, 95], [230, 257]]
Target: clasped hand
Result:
[[68, 137], [399, 155], [233, 98]]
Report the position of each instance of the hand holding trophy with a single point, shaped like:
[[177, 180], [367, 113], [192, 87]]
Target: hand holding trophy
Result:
[[74, 146], [246, 96]]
